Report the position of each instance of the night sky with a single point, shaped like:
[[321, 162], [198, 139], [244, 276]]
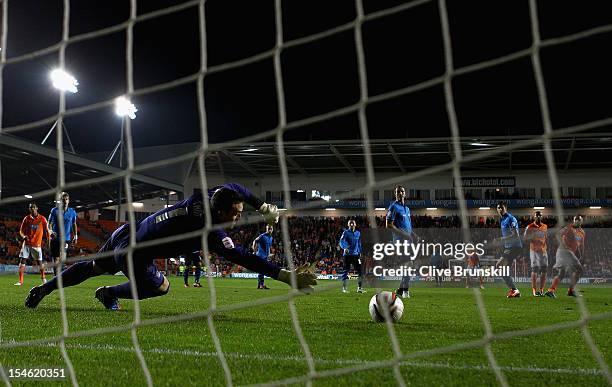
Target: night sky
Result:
[[401, 50]]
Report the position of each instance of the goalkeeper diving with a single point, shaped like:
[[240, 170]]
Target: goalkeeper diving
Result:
[[226, 206]]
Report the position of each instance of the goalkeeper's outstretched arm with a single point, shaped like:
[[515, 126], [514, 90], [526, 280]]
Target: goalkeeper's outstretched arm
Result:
[[222, 245], [226, 203]]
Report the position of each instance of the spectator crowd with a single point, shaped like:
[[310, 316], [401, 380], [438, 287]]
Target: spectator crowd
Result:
[[317, 238]]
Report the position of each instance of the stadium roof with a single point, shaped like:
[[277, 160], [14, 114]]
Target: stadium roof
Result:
[[580, 151], [28, 168]]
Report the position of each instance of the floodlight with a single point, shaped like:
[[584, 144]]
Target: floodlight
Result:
[[63, 81], [123, 107]]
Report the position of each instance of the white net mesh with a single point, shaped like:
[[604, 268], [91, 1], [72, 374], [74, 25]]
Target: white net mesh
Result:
[[399, 358]]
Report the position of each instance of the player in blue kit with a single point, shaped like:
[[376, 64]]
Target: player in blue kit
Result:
[[262, 245], [512, 245], [350, 242], [70, 229], [226, 206], [398, 220]]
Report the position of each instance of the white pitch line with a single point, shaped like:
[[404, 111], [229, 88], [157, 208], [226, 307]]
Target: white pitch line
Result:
[[342, 362]]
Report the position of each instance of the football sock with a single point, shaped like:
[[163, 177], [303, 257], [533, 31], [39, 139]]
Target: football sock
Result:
[[125, 291], [509, 282], [260, 280], [554, 284], [74, 275], [405, 284]]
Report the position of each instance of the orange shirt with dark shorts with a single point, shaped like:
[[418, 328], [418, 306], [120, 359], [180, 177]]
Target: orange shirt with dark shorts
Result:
[[34, 229], [538, 237]]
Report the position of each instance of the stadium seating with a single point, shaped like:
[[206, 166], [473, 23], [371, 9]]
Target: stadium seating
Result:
[[109, 225], [93, 228], [9, 246], [87, 245]]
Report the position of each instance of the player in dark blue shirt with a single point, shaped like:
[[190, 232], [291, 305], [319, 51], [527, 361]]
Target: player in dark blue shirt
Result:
[[193, 260], [262, 245], [436, 261], [398, 220], [350, 242], [187, 216], [512, 245]]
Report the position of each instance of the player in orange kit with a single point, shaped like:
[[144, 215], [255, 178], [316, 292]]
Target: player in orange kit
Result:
[[473, 262], [536, 235], [571, 246], [33, 228]]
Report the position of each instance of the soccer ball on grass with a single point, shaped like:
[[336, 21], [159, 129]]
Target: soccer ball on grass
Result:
[[393, 302]]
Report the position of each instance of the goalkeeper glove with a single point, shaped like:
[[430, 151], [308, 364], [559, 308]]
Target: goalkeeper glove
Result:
[[269, 212], [304, 276]]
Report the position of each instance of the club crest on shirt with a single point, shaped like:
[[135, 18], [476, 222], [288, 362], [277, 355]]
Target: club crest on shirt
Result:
[[228, 242]]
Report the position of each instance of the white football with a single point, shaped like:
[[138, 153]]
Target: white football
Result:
[[393, 302]]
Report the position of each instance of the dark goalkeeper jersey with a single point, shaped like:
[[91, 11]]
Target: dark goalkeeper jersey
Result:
[[187, 216]]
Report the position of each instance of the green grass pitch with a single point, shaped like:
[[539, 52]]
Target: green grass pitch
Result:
[[261, 345]]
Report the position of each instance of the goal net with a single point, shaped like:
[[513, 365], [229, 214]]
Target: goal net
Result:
[[279, 133]]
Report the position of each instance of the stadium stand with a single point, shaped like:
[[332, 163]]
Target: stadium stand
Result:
[[317, 238]]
